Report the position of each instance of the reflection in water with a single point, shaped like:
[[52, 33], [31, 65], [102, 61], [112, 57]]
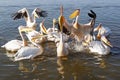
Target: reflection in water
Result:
[[31, 68], [73, 69], [10, 55], [63, 69], [100, 61]]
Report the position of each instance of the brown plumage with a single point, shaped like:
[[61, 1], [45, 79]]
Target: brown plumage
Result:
[[77, 29]]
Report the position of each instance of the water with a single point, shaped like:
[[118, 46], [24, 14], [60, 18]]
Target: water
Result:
[[79, 66]]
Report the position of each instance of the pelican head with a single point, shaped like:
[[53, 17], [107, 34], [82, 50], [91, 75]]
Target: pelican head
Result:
[[75, 14], [55, 21], [104, 39], [97, 29]]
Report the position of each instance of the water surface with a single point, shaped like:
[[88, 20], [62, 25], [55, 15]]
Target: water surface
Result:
[[79, 66]]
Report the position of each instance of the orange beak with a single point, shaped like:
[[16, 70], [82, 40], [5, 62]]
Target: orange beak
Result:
[[75, 14], [44, 30]]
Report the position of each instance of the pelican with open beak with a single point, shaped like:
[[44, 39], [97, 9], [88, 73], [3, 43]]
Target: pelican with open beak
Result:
[[62, 49]]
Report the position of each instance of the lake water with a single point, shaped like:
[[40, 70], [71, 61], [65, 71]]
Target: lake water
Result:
[[79, 66]]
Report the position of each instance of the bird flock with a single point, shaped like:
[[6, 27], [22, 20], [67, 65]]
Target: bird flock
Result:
[[67, 36]]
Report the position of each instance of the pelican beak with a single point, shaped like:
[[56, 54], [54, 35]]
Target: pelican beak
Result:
[[98, 27], [24, 29], [75, 14], [61, 21], [98, 36], [44, 30], [106, 41]]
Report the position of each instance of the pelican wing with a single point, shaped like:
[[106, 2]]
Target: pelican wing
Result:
[[92, 14], [41, 13], [19, 15]]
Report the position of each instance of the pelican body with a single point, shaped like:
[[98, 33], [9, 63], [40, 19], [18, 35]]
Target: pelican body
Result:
[[27, 53], [77, 29], [62, 48], [13, 45], [100, 47]]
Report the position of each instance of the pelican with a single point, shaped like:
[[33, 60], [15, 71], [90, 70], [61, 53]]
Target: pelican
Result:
[[102, 31], [52, 33], [36, 37], [53, 29], [33, 36], [77, 29], [100, 47], [30, 21], [13, 45], [28, 52], [62, 49]]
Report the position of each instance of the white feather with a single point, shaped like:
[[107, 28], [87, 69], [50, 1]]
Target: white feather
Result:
[[27, 53], [13, 45]]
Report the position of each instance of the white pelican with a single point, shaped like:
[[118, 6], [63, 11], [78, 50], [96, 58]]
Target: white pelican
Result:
[[102, 31], [53, 29], [77, 29], [51, 34], [13, 45], [36, 37], [30, 21], [62, 49], [28, 53], [100, 47]]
